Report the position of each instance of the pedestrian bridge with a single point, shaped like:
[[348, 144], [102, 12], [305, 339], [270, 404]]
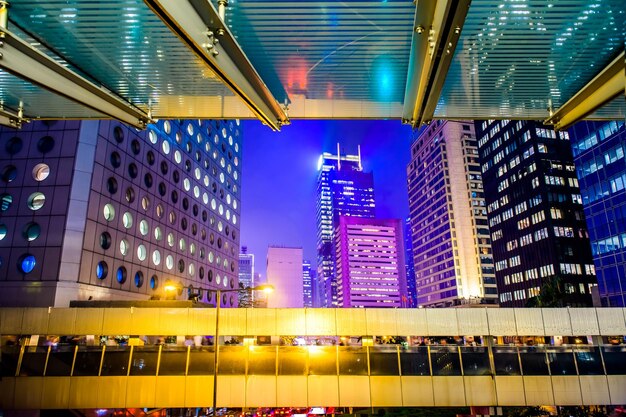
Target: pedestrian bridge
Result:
[[81, 358]]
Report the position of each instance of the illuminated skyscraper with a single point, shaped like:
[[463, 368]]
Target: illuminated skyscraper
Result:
[[246, 268], [284, 272], [538, 231], [410, 268], [343, 189], [370, 263], [450, 234], [308, 275], [599, 153]]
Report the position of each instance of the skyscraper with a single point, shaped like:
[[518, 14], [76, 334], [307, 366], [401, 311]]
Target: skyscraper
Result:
[[450, 234], [284, 272], [410, 268], [96, 209], [343, 189], [599, 149], [246, 274], [370, 263], [538, 229], [308, 276]]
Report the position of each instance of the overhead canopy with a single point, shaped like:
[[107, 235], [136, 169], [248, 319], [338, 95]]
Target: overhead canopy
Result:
[[275, 60]]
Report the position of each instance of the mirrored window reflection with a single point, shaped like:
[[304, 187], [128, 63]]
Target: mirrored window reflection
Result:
[[475, 360], [414, 361], [34, 361], [506, 360], [533, 361], [561, 361], [232, 360], [384, 360], [352, 361], [60, 361], [201, 361], [292, 360], [322, 360], [262, 360], [87, 361], [614, 359], [144, 361], [589, 361], [445, 360], [173, 360], [115, 362]]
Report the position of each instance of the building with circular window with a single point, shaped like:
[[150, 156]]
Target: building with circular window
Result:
[[123, 212]]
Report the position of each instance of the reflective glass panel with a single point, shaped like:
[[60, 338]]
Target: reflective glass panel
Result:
[[414, 361], [506, 360], [533, 361], [588, 360], [173, 360], [201, 361], [561, 361], [115, 362], [8, 362], [232, 360], [60, 361], [322, 360], [475, 360], [144, 361], [352, 361], [614, 359], [445, 360], [34, 361], [262, 360], [87, 361], [292, 360], [384, 360]]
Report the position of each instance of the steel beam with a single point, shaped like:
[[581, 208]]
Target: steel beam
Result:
[[21, 59], [436, 32], [198, 24], [603, 88]]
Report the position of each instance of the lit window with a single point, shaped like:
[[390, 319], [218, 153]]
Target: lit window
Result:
[[166, 147], [143, 227], [27, 263], [127, 220], [141, 252], [31, 231], [170, 239], [158, 235], [121, 275], [102, 270], [169, 262], [109, 212], [41, 172], [124, 246], [3, 231], [167, 127], [36, 201], [156, 257], [153, 137]]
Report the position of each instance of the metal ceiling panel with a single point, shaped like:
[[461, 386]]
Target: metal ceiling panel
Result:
[[518, 58], [339, 50]]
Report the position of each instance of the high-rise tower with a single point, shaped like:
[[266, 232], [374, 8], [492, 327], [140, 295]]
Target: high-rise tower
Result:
[[451, 245], [343, 189], [538, 231]]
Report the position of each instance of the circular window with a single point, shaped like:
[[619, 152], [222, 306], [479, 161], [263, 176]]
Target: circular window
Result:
[[45, 144], [36, 201], [167, 127], [164, 167], [118, 134], [165, 147], [133, 171], [27, 263], [176, 176], [145, 203], [121, 275], [172, 217], [14, 145], [9, 173], [183, 223], [211, 257], [116, 159], [154, 282], [124, 246], [152, 136], [102, 270], [213, 204], [234, 219], [185, 204], [210, 275], [191, 269], [194, 229], [174, 197], [135, 147], [169, 262], [3, 231], [201, 272], [181, 266], [221, 210], [138, 279], [195, 209], [197, 173], [204, 215], [196, 191], [141, 252], [170, 240], [150, 158], [147, 179], [190, 129], [143, 227], [130, 195], [203, 234], [127, 220], [5, 201], [41, 172], [159, 211], [219, 242], [182, 245], [162, 189], [156, 257], [178, 157], [31, 231], [112, 185], [226, 281], [218, 279], [188, 165], [158, 235], [105, 240], [192, 249], [179, 138]]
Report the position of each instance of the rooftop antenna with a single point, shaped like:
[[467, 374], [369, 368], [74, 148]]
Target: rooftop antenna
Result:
[[338, 157], [358, 149]]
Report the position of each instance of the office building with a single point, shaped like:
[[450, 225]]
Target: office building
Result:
[[308, 276], [538, 231], [98, 210], [343, 189], [370, 263], [450, 235], [598, 149], [246, 268], [410, 268], [284, 272]]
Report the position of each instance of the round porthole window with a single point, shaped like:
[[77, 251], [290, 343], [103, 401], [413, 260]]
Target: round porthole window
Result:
[[27, 263], [9, 173], [138, 279], [14, 145], [41, 172], [109, 212], [45, 144], [3, 231], [154, 282], [169, 262], [112, 185], [102, 270], [121, 275], [158, 235], [156, 258], [105, 240], [152, 136], [36, 201], [5, 201], [143, 227], [31, 231], [127, 220], [141, 253], [124, 246], [118, 134]]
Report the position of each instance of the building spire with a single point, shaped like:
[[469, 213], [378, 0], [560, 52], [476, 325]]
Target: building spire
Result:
[[358, 149], [338, 157]]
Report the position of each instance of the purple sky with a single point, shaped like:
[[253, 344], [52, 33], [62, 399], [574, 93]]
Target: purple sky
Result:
[[280, 173]]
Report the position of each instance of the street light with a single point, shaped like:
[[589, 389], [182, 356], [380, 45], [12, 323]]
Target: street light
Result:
[[171, 286]]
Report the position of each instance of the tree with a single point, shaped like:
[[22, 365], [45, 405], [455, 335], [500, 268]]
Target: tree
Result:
[[551, 294]]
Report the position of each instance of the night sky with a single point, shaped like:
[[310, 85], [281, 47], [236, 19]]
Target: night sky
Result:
[[280, 173]]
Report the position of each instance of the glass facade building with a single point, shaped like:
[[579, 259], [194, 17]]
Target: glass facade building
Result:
[[449, 231], [308, 276], [538, 231], [343, 189], [410, 268], [99, 210], [598, 149]]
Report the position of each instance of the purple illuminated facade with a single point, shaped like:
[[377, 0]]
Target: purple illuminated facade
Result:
[[370, 263], [451, 246], [538, 230], [343, 189]]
